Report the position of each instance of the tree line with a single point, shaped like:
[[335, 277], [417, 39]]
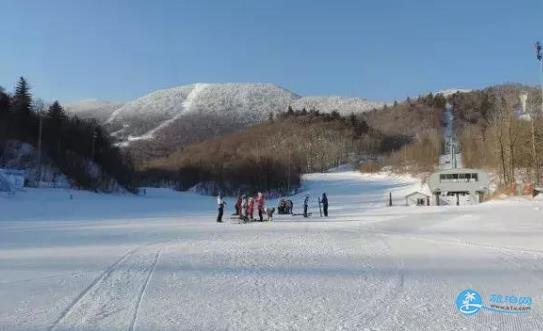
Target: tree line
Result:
[[496, 135], [270, 156], [494, 131], [412, 134], [74, 145]]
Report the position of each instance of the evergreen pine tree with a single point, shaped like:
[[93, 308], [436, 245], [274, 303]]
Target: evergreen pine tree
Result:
[[4, 101], [55, 128], [4, 114], [22, 100], [56, 112]]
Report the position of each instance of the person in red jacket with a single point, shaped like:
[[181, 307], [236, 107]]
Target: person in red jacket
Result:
[[260, 205], [251, 208]]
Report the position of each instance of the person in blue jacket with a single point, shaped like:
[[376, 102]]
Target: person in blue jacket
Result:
[[324, 201], [306, 204]]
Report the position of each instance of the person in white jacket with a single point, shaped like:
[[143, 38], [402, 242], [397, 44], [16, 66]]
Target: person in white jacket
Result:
[[244, 206], [220, 205]]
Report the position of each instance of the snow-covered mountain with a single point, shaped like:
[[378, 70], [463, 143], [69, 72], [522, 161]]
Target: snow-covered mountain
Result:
[[153, 115], [92, 108], [164, 120], [451, 91]]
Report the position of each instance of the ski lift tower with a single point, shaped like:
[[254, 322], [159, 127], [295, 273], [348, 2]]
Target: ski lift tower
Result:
[[534, 113]]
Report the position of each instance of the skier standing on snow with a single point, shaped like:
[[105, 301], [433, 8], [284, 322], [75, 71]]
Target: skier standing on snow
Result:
[[238, 206], [324, 201], [251, 208], [306, 204], [220, 205], [244, 205], [260, 205], [290, 206]]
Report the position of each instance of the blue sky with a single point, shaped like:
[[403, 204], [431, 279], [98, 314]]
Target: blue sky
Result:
[[383, 50]]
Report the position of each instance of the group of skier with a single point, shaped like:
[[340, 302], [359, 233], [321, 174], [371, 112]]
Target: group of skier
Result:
[[245, 207], [285, 207]]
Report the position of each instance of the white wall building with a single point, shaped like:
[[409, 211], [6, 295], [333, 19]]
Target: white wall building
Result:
[[458, 186], [417, 199]]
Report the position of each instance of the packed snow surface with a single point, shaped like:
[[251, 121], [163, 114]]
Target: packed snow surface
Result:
[[161, 262]]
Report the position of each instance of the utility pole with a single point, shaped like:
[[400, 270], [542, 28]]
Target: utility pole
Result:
[[452, 151], [539, 56], [535, 112], [40, 131], [405, 157]]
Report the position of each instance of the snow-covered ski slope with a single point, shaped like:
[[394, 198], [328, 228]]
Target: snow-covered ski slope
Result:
[[160, 262]]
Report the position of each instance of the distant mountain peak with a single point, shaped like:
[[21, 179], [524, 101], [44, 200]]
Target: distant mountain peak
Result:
[[211, 108], [451, 91]]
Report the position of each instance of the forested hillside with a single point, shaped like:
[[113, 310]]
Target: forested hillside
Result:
[[80, 149], [270, 156], [495, 134], [162, 121], [411, 134], [273, 155]]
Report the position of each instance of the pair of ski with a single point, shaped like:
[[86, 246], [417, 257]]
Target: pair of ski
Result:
[[302, 214], [245, 221], [309, 214]]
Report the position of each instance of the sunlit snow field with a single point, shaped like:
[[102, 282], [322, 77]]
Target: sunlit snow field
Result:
[[161, 262]]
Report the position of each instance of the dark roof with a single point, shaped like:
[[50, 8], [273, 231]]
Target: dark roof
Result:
[[417, 192]]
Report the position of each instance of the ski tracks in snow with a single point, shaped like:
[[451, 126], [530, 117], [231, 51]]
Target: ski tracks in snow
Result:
[[386, 298], [86, 291], [142, 293], [399, 311], [113, 300]]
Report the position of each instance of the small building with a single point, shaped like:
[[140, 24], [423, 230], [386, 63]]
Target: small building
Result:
[[12, 179], [417, 199], [459, 186]]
